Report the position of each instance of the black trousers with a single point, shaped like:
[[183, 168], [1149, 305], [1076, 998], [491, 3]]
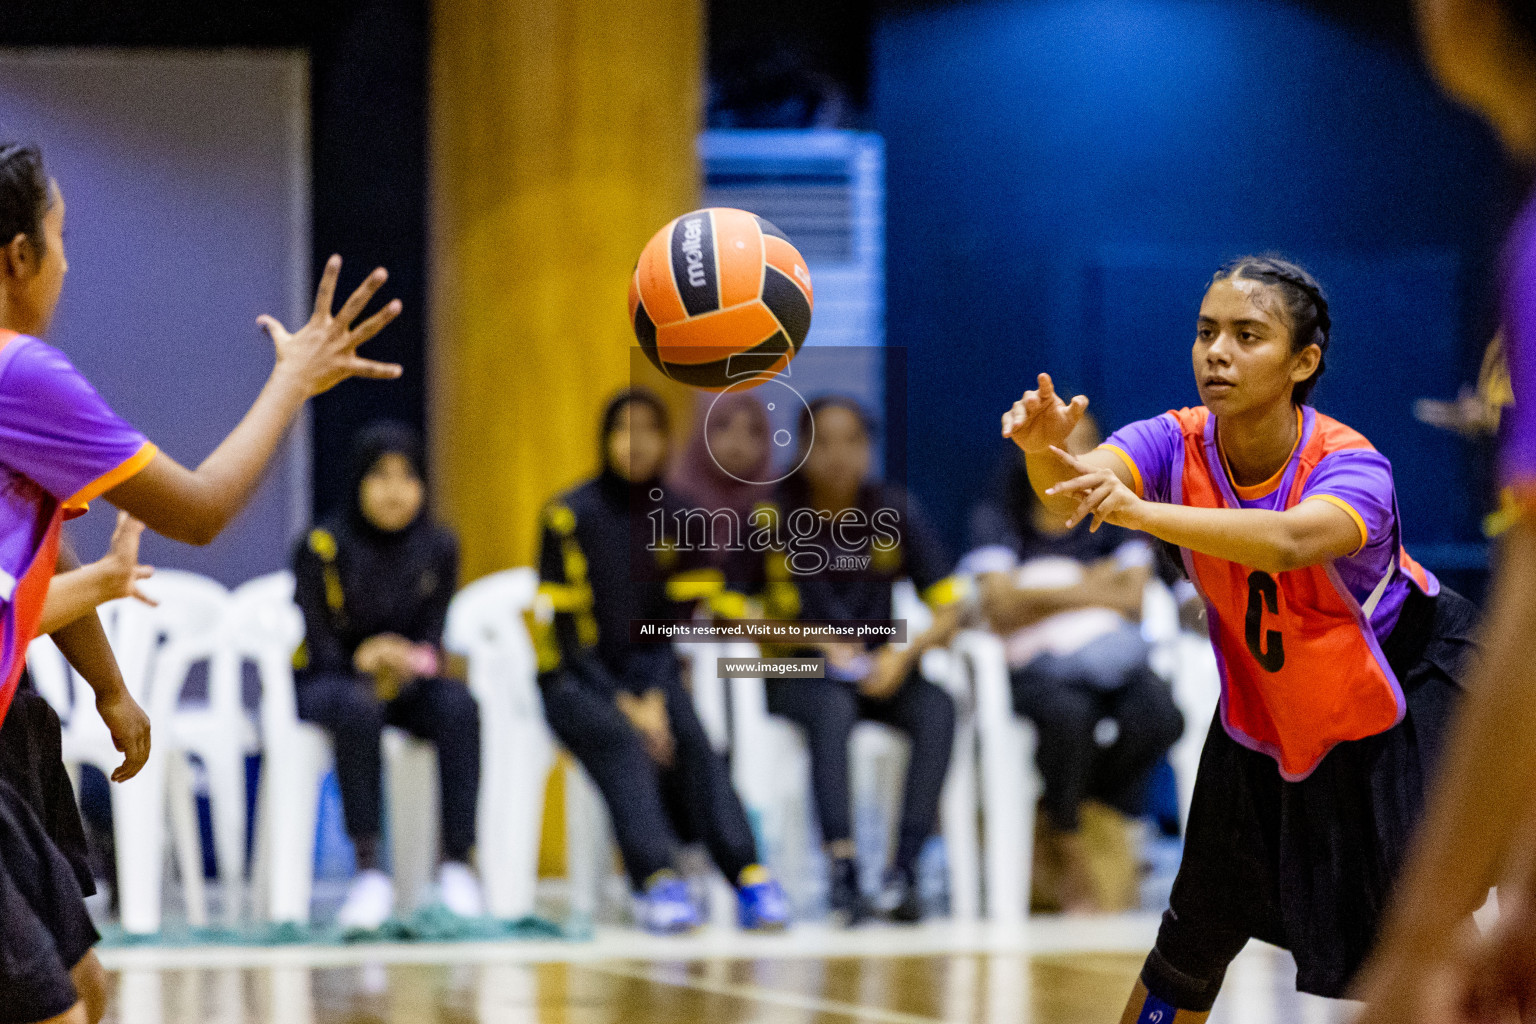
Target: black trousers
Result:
[[654, 809], [828, 710], [1071, 762], [439, 710]]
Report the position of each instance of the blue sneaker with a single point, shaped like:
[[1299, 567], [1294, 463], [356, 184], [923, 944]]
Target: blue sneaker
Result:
[[760, 901], [665, 908]]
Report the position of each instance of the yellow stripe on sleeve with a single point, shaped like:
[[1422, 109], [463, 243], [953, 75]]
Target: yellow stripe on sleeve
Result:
[[1130, 464], [1365, 536], [947, 591], [112, 477]]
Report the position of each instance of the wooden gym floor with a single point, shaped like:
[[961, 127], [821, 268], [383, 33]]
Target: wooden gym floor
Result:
[[1059, 973]]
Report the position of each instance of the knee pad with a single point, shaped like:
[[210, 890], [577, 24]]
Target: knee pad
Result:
[[1176, 988]]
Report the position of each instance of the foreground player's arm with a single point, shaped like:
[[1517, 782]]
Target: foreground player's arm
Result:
[[195, 505], [77, 590], [84, 645], [1309, 533], [1485, 794]]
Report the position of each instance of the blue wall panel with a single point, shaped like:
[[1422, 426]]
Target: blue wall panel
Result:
[[1064, 175]]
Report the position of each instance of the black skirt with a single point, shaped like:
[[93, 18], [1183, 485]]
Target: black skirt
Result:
[[31, 760], [44, 929], [1309, 865]]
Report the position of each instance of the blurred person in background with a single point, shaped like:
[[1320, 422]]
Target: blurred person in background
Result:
[[726, 463], [374, 582], [1479, 827], [1068, 603], [872, 681], [620, 707]]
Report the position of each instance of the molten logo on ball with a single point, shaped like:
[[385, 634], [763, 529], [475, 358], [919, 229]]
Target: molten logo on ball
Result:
[[720, 297]]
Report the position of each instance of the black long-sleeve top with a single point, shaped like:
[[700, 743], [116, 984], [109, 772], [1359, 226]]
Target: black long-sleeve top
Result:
[[354, 583], [603, 561], [906, 547]]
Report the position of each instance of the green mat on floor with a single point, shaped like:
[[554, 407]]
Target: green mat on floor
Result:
[[429, 924]]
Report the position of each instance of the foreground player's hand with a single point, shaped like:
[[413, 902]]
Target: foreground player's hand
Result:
[[129, 726], [1041, 420], [119, 568], [1407, 982], [323, 352], [1100, 494]]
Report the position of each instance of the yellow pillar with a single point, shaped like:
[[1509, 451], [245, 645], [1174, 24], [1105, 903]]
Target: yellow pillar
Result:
[[563, 136]]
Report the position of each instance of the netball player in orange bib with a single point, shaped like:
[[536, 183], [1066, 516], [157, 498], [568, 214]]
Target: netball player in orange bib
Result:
[[1339, 654]]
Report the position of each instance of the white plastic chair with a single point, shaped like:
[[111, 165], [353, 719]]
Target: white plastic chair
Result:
[[485, 624], [1011, 785], [217, 731], [265, 628], [771, 770], [155, 649], [1186, 660]]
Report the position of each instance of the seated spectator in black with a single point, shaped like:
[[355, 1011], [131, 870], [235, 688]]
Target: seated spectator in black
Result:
[[620, 707], [870, 680], [374, 584], [1068, 603]]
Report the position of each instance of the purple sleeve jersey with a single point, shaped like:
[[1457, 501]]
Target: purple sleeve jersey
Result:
[[1154, 451], [55, 430], [1518, 459], [60, 443]]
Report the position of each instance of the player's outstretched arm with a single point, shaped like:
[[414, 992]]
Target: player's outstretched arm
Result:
[[1485, 795], [195, 505], [1308, 534], [1039, 421]]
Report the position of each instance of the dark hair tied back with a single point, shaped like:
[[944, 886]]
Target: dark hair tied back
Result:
[[1306, 307], [23, 193]]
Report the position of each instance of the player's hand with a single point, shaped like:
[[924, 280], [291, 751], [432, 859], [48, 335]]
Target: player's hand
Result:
[[648, 716], [1434, 985], [129, 726], [1100, 494], [891, 668], [1041, 420], [323, 352], [119, 569]]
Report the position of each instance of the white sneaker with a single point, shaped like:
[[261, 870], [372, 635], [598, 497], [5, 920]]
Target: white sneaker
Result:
[[370, 899], [459, 890]]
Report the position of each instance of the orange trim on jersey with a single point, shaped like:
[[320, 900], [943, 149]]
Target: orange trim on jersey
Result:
[[1520, 496], [1268, 486], [1365, 536], [1130, 464], [112, 477]]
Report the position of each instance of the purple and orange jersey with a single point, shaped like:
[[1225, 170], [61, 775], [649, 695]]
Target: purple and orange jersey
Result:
[[1518, 457], [1300, 651], [60, 446]]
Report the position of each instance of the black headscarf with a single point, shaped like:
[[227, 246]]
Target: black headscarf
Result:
[[614, 484], [369, 445], [392, 581]]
